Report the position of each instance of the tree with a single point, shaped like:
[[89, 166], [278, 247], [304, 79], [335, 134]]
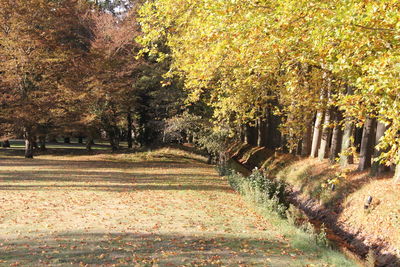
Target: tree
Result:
[[110, 94], [39, 40]]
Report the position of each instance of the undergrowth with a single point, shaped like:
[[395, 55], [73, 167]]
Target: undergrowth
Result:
[[263, 191]]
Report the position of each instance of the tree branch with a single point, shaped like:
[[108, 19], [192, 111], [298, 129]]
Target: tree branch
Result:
[[373, 28]]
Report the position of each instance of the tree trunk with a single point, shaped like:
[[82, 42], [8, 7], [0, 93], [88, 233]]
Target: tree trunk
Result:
[[367, 144], [275, 139], [35, 144], [251, 135], [113, 137], [6, 143], [29, 142], [345, 157], [378, 168], [337, 135], [129, 134], [262, 132], [242, 133], [306, 141], [89, 143], [323, 148], [42, 143], [67, 140], [80, 139], [114, 144], [358, 134], [190, 139], [316, 134], [209, 158], [299, 147]]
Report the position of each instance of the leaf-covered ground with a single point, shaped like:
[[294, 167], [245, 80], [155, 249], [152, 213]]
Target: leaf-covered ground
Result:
[[163, 208]]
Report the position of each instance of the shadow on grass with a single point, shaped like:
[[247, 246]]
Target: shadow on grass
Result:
[[116, 188], [129, 248], [106, 164], [168, 173]]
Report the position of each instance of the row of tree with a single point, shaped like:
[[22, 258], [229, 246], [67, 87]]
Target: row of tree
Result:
[[70, 68], [316, 78], [320, 78]]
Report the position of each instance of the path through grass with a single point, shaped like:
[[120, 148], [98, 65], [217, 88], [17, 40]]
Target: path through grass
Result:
[[164, 208]]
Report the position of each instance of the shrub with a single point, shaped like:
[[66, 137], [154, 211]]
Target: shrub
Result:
[[272, 195], [295, 216], [235, 180], [223, 169], [268, 192]]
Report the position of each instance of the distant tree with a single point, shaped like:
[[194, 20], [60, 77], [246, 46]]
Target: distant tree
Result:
[[111, 73]]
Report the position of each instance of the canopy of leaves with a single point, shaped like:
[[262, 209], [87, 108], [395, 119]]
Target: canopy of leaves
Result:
[[244, 57]]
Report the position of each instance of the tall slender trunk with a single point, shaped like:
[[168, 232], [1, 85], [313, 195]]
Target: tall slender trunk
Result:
[[251, 135], [367, 144], [29, 143], [129, 134], [337, 135], [326, 128], [358, 134], [275, 138], [377, 168], [306, 141], [299, 147], [242, 133], [316, 141], [316, 134], [80, 139], [262, 132], [345, 157], [323, 148]]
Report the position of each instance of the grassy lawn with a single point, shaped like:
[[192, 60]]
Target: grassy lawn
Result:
[[161, 208], [19, 144]]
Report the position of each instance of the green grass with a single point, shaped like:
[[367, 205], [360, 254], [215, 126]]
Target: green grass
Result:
[[163, 207], [74, 145]]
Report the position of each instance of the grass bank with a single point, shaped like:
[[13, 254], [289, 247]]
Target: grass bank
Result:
[[337, 197], [270, 200]]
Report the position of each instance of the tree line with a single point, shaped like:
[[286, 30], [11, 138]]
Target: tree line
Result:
[[315, 78], [70, 69]]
